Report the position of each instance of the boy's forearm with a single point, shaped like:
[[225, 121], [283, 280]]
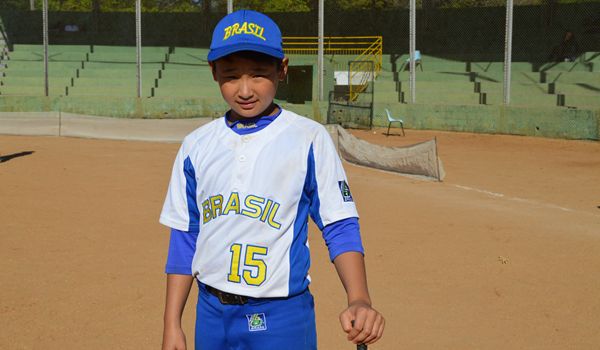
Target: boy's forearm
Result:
[[178, 289], [350, 267], [362, 323]]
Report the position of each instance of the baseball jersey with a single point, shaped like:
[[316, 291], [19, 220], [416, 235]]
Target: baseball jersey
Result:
[[248, 198]]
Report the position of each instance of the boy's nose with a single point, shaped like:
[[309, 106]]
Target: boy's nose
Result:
[[245, 91]]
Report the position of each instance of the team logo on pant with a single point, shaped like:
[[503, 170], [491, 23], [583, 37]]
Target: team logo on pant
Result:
[[257, 322]]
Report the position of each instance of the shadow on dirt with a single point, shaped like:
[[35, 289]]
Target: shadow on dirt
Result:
[[8, 157]]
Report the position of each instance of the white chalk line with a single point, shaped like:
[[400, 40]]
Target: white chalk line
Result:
[[486, 192], [517, 199]]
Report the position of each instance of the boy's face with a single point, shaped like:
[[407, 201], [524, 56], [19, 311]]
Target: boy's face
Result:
[[248, 85]]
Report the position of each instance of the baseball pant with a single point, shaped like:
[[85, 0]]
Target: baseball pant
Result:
[[270, 323]]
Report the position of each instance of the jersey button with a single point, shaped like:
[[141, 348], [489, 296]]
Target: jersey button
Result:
[[242, 158], [245, 139]]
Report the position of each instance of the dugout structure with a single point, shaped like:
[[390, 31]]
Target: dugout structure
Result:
[[351, 101]]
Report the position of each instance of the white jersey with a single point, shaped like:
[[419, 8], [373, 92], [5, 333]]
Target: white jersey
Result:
[[249, 196]]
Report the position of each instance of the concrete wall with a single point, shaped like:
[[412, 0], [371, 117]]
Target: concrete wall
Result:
[[122, 107], [75, 125], [554, 122]]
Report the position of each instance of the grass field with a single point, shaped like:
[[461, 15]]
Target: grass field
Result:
[[501, 255]]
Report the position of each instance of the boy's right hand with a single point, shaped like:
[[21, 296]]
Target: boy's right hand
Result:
[[173, 339]]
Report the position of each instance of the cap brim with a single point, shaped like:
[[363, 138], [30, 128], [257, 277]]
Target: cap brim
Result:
[[220, 52]]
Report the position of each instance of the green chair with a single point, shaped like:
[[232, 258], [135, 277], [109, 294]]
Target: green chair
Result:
[[393, 120]]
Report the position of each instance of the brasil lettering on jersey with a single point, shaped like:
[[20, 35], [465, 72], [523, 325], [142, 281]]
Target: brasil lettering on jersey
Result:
[[252, 206], [244, 28]]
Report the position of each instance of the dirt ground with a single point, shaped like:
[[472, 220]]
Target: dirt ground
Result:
[[501, 255]]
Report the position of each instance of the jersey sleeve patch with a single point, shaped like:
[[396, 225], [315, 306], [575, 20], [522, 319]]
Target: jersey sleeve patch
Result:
[[345, 191], [336, 201]]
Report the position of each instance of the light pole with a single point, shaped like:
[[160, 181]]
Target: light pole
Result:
[[320, 53], [45, 36], [508, 51], [412, 47], [138, 44]]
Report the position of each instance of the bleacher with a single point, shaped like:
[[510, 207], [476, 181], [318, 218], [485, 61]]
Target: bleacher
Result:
[[83, 70], [440, 81], [187, 74]]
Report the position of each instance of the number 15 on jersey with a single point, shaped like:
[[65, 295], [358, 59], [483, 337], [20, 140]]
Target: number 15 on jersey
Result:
[[253, 269]]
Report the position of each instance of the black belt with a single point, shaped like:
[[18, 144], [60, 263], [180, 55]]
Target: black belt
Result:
[[227, 298]]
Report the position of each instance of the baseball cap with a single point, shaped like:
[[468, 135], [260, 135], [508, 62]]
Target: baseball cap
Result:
[[245, 30]]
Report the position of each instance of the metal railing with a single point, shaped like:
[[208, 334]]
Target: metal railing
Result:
[[342, 45], [368, 49]]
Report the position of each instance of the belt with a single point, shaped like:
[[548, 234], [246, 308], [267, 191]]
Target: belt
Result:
[[227, 298]]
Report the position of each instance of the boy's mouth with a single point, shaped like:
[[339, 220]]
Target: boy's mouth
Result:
[[247, 104]]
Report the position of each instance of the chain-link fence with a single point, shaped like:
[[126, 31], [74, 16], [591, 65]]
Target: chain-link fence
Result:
[[459, 56]]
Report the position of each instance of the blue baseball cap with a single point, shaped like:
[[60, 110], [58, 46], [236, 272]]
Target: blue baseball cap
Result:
[[245, 30]]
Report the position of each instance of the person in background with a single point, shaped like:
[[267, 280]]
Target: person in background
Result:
[[567, 50]]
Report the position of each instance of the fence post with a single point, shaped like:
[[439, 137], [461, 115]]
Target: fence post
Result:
[[45, 35], [138, 43], [320, 67], [508, 50], [412, 39]]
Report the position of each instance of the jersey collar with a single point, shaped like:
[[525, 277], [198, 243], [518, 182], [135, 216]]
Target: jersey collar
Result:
[[251, 125]]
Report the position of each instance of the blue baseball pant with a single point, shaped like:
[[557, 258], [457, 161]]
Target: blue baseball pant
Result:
[[277, 323]]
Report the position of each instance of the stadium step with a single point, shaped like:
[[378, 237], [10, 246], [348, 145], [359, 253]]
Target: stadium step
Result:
[[572, 77], [577, 88], [523, 99], [583, 101], [441, 98], [566, 67], [435, 76], [31, 90]]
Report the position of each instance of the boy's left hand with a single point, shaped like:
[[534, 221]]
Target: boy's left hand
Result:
[[362, 323]]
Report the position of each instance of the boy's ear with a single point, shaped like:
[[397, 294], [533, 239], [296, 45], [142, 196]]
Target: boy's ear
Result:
[[283, 69], [213, 70]]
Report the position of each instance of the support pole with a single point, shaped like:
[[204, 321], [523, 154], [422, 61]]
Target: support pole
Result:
[[32, 5], [320, 67], [508, 51], [45, 35], [229, 6], [412, 47], [138, 44]]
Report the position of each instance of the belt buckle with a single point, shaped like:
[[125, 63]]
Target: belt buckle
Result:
[[238, 299], [230, 299]]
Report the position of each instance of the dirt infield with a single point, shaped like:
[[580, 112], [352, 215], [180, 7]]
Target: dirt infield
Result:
[[502, 255]]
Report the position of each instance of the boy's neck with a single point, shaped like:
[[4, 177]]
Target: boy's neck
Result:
[[269, 111]]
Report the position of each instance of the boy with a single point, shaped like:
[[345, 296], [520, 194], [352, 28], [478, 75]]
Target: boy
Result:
[[240, 194]]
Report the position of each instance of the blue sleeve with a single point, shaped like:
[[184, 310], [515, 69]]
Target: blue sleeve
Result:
[[182, 247], [343, 236]]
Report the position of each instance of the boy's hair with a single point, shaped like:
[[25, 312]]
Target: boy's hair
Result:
[[253, 56]]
